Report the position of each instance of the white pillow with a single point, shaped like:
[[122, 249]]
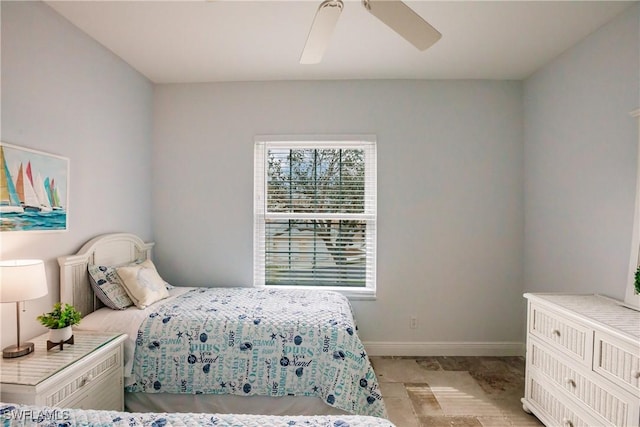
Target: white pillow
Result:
[[143, 283]]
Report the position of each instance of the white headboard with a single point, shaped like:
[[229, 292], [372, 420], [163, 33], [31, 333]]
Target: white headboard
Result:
[[106, 249]]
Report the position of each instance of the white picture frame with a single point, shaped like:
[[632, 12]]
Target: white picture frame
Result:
[[632, 298]]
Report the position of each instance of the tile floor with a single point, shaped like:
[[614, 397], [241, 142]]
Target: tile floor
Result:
[[453, 391]]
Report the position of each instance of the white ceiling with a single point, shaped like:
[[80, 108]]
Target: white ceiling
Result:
[[234, 40]]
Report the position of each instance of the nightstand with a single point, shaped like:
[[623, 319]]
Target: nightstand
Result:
[[87, 374]]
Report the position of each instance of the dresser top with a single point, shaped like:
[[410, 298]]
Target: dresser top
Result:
[[601, 310], [36, 367]]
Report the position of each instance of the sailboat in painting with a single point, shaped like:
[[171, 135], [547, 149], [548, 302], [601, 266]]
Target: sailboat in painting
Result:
[[26, 193], [9, 200], [54, 196], [45, 204]]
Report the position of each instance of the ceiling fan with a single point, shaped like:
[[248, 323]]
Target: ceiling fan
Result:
[[396, 14]]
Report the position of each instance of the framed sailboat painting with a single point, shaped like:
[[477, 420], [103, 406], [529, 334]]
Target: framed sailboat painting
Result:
[[34, 190]]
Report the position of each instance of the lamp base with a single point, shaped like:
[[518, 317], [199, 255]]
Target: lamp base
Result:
[[17, 350]]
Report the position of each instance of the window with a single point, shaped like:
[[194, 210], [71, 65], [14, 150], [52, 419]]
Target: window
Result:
[[315, 213]]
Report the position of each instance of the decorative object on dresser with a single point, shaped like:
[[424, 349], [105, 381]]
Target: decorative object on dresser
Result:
[[59, 321], [632, 295], [583, 361], [87, 375], [21, 280]]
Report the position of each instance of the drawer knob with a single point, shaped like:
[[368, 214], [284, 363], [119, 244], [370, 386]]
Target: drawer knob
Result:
[[570, 381], [635, 374], [556, 332], [86, 380], [567, 422]]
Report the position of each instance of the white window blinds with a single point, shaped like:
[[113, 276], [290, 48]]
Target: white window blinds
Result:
[[315, 213]]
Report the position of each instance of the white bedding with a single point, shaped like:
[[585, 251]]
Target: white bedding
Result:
[[124, 321]]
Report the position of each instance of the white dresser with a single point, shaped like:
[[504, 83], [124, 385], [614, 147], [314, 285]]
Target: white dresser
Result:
[[583, 361]]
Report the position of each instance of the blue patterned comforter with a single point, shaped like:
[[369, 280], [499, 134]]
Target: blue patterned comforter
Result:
[[248, 341], [24, 415]]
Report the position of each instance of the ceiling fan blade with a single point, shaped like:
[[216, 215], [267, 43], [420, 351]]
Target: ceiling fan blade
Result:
[[404, 21], [321, 30]]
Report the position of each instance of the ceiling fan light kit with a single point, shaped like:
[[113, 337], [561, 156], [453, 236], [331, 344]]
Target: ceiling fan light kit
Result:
[[394, 13]]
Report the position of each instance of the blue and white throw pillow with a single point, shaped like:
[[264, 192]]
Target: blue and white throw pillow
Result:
[[108, 287]]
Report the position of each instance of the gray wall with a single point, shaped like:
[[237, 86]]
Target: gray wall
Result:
[[65, 94], [580, 163], [450, 215]]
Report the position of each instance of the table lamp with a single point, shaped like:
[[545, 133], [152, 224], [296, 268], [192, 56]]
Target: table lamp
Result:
[[21, 280]]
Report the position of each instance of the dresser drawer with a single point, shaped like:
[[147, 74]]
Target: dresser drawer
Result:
[[553, 410], [570, 338], [69, 387], [618, 361], [615, 407]]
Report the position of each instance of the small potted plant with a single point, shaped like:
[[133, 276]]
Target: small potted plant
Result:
[[59, 322], [637, 282]]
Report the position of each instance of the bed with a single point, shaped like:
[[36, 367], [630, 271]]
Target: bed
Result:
[[25, 415], [227, 350]]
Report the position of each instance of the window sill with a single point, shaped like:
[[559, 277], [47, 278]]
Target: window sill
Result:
[[353, 294]]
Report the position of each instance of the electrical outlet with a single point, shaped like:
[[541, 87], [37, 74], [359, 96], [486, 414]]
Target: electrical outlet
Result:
[[413, 322]]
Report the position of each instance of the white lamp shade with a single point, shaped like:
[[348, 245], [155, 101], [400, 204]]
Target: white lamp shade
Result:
[[22, 280]]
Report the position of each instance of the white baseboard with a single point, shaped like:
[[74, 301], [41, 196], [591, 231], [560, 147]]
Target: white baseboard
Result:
[[378, 348]]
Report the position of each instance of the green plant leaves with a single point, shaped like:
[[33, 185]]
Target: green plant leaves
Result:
[[60, 317]]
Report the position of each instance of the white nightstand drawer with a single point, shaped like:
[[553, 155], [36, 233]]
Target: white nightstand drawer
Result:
[[67, 388], [105, 393], [613, 407], [618, 361]]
